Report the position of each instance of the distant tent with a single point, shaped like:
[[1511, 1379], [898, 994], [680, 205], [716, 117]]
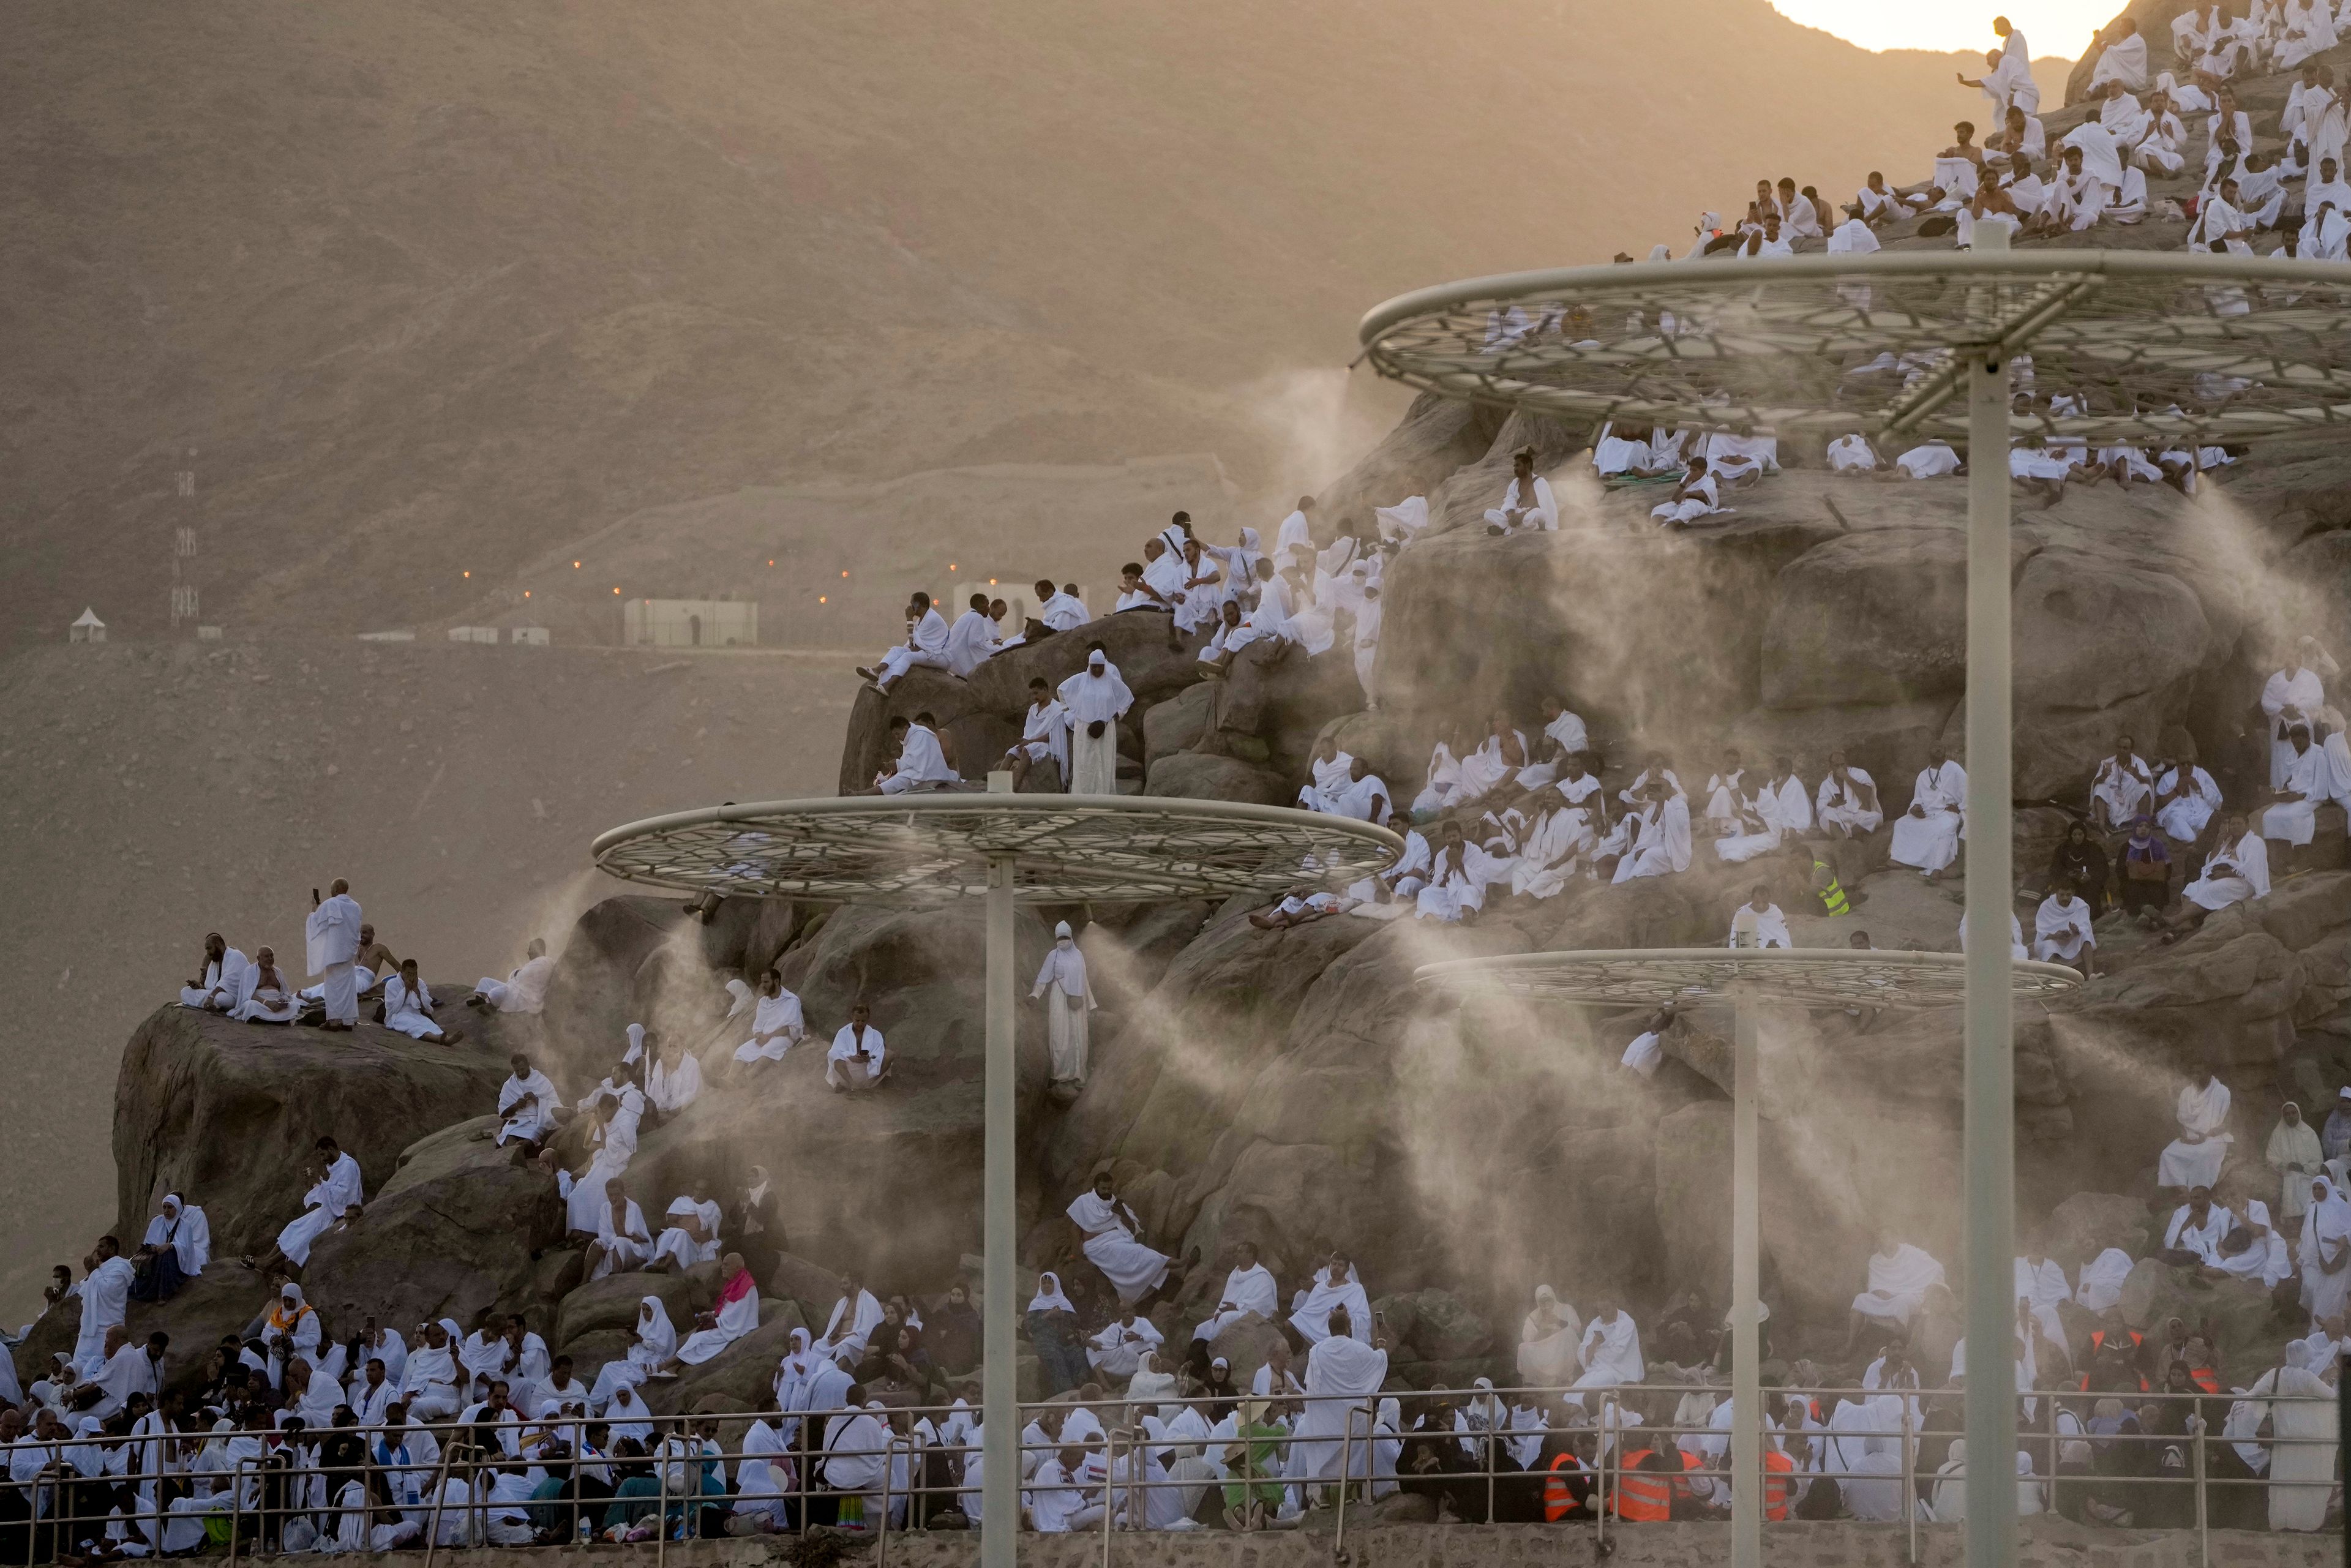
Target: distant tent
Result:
[[89, 629]]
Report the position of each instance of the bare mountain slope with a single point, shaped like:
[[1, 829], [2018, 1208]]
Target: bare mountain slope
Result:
[[434, 288]]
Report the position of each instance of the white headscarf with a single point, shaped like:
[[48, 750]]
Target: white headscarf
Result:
[[655, 1332], [2327, 1220], [1049, 1296], [744, 999], [636, 1042]]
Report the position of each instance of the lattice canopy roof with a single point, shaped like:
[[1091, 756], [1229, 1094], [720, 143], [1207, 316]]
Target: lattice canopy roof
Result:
[[2157, 346], [934, 848], [1800, 975]]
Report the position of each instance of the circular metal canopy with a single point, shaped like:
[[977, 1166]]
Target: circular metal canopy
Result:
[[2157, 346], [1806, 976], [934, 848]]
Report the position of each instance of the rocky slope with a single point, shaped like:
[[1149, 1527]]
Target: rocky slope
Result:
[[1294, 1088]]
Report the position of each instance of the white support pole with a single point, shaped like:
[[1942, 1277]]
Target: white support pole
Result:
[[999, 1396], [1990, 1064], [1746, 1273]]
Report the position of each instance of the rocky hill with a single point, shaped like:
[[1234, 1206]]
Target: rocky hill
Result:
[[440, 289], [1293, 1088]]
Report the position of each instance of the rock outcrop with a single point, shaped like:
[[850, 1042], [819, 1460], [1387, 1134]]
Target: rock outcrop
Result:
[[226, 1114]]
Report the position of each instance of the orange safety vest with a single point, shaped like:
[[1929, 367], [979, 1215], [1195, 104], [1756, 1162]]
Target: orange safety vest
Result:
[[1776, 1468], [1558, 1501], [1644, 1496], [2097, 1341], [2205, 1379]]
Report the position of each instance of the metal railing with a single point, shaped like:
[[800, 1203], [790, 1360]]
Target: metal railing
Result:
[[1444, 1444]]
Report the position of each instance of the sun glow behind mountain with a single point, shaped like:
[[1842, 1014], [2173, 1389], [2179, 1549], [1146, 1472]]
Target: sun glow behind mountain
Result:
[[2050, 27]]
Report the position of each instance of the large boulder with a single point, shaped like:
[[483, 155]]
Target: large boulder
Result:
[[905, 1150], [740, 1377], [1438, 436], [224, 1300], [591, 996], [456, 1233], [1188, 774], [2248, 1331], [2087, 1223], [226, 1114], [982, 715]]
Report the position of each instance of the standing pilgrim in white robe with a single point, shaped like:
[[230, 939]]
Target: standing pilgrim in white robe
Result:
[[2042, 1287], [1311, 1311], [1096, 699], [2301, 1472], [1135, 1270], [333, 940], [1068, 997], [2195, 1158], [616, 1148], [1927, 836], [1344, 1376], [1899, 1283], [105, 1294], [2324, 1243], [323, 1204]]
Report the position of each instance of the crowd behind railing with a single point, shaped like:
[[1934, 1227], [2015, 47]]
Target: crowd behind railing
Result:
[[2159, 1460]]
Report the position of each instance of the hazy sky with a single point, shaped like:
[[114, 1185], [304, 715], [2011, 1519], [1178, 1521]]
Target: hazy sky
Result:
[[2050, 27]]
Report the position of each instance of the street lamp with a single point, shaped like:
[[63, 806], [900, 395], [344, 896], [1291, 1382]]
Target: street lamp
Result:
[[925, 851], [2171, 349], [1746, 978]]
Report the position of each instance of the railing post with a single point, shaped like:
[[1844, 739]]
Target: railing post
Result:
[[1910, 1481], [2204, 1507], [882, 1528], [1110, 1483], [661, 1506], [1600, 1483]]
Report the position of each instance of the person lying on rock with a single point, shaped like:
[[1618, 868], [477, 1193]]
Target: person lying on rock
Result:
[[1298, 907]]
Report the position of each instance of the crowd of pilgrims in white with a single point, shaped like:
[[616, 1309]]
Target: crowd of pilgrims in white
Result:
[[1498, 818]]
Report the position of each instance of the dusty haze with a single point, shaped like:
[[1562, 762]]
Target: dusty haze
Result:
[[421, 290]]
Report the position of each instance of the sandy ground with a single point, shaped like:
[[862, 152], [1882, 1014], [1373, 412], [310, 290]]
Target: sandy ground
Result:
[[155, 793]]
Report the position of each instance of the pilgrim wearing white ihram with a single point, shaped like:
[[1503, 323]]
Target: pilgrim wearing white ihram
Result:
[[1095, 697], [1313, 1307], [1249, 1289], [1927, 835], [324, 1204], [1344, 1375], [1899, 1283], [1109, 1227], [1068, 997], [333, 937], [2195, 1158]]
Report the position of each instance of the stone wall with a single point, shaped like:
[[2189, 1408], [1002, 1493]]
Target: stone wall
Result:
[[2043, 1543]]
